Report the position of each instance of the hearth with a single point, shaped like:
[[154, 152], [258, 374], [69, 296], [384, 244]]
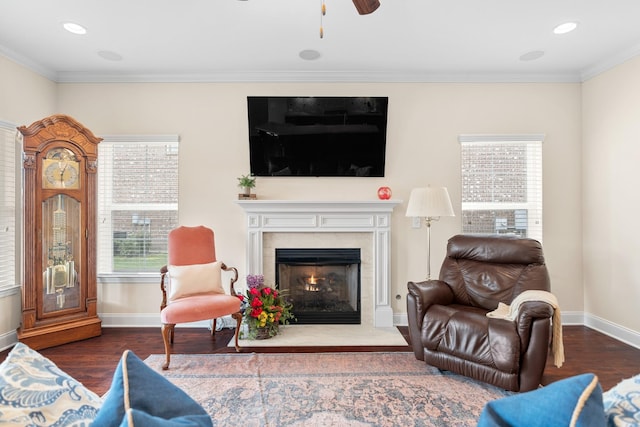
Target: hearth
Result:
[[322, 283]]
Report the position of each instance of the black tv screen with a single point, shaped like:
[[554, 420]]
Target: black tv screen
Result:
[[317, 136]]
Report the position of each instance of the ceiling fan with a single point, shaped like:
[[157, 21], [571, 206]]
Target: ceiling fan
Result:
[[366, 7]]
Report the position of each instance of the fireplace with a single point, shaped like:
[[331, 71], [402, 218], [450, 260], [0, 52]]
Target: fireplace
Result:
[[322, 284], [273, 224]]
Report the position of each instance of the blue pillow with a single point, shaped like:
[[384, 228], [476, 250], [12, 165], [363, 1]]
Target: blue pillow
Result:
[[139, 396], [575, 401]]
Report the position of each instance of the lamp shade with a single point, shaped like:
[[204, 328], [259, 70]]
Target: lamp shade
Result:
[[430, 202]]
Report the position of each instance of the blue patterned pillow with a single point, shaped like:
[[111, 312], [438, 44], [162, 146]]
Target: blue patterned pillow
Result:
[[622, 403], [35, 392], [139, 396], [574, 401]]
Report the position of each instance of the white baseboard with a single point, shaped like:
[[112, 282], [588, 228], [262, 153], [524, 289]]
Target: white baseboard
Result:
[[8, 339], [572, 318], [142, 320], [152, 320], [400, 319], [616, 331]]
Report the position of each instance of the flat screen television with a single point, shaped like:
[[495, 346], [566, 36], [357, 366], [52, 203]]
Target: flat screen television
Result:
[[317, 135]]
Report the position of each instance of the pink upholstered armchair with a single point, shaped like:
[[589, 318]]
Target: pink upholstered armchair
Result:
[[191, 284]]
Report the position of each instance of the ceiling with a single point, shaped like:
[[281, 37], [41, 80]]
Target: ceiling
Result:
[[260, 40]]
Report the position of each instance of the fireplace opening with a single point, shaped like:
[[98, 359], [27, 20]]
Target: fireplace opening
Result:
[[322, 284]]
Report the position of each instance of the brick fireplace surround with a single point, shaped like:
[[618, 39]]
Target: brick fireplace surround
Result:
[[292, 223]]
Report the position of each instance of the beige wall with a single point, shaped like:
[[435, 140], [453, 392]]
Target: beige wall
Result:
[[24, 95], [24, 98], [611, 151], [424, 123]]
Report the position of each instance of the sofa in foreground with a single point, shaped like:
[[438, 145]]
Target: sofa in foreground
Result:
[[576, 401], [35, 392]]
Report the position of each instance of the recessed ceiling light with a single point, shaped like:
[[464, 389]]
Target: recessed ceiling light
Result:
[[533, 55], [565, 28], [309, 54], [74, 28]]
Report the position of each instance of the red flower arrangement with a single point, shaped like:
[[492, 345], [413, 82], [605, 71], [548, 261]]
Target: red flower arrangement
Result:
[[264, 309]]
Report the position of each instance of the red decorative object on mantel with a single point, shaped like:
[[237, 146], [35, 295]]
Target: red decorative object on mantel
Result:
[[384, 193]]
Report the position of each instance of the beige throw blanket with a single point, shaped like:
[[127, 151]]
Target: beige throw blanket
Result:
[[510, 312]]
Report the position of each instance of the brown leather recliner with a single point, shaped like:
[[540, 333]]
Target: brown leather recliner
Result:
[[448, 325]]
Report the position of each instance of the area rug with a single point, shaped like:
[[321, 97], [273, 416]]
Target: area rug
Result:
[[329, 335], [327, 389]]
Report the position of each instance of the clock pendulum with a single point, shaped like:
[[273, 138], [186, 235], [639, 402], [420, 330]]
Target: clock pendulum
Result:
[[60, 272]]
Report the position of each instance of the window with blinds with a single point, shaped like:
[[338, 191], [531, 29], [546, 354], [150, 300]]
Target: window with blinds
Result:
[[10, 169], [137, 202], [502, 184]]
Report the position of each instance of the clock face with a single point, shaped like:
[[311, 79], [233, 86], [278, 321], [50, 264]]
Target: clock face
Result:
[[60, 170]]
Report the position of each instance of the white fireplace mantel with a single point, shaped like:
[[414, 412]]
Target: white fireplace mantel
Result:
[[284, 216]]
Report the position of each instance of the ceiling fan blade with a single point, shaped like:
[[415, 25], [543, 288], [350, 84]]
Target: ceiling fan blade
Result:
[[366, 7]]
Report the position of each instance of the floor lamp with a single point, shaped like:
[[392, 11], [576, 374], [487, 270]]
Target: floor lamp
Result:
[[429, 203]]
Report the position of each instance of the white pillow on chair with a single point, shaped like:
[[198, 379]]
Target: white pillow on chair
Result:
[[186, 280]]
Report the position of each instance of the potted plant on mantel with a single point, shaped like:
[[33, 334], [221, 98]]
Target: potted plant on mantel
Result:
[[247, 182]]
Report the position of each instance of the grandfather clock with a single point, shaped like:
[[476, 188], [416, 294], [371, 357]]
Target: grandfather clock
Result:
[[59, 294]]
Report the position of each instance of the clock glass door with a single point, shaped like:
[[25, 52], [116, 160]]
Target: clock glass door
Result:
[[61, 246]]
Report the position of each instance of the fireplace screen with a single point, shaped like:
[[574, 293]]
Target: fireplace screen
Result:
[[323, 284]]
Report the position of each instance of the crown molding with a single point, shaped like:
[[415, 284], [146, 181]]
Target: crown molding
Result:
[[610, 62], [363, 76], [319, 77], [28, 63]]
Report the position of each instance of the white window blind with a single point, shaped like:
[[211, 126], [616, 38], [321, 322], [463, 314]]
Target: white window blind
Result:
[[10, 169], [502, 184], [137, 203]]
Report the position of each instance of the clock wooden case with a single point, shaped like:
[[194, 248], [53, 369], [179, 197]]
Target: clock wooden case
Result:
[[59, 294]]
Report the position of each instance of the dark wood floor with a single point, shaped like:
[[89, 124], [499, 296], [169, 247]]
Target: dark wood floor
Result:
[[93, 361]]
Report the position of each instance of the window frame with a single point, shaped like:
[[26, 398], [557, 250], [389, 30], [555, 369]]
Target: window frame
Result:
[[534, 230], [106, 231], [12, 197]]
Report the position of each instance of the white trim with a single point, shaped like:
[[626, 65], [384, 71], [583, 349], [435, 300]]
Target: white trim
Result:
[[8, 125], [152, 320], [609, 63], [8, 339], [30, 64], [400, 319], [13, 232], [325, 76], [107, 207], [117, 278], [9, 290], [575, 318], [148, 139], [613, 330], [366, 76], [143, 320], [291, 216], [470, 138]]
